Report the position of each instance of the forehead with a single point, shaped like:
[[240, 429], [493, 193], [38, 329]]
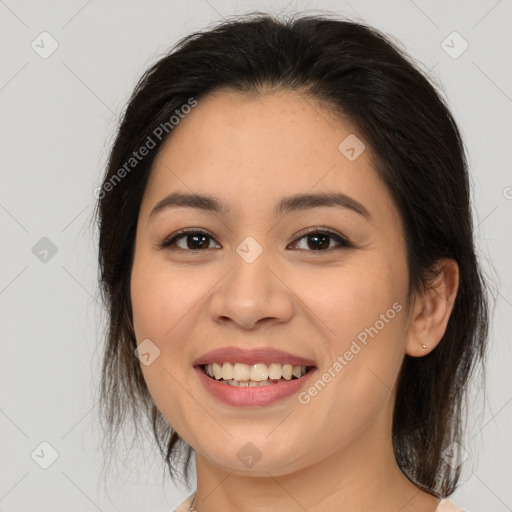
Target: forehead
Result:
[[251, 149], [282, 125]]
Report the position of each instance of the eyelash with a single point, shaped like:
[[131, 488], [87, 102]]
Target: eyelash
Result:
[[171, 240]]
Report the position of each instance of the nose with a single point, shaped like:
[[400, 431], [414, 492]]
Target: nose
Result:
[[252, 294]]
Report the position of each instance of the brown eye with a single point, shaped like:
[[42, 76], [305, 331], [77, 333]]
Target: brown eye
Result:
[[194, 240], [320, 241], [317, 241]]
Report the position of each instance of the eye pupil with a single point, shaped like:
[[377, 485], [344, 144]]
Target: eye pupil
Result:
[[192, 246], [316, 237]]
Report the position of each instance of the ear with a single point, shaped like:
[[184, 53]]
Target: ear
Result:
[[432, 310]]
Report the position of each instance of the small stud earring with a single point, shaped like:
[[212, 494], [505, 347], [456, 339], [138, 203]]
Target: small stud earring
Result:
[[424, 346]]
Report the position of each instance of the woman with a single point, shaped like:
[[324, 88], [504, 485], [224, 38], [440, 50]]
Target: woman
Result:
[[287, 259]]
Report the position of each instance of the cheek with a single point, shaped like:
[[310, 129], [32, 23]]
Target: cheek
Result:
[[161, 301], [360, 309], [346, 300], [163, 312]]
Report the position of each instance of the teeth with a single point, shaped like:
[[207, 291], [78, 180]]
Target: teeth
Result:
[[241, 371], [274, 371], [259, 372], [297, 371], [248, 383], [287, 371], [240, 374], [227, 371], [217, 371]]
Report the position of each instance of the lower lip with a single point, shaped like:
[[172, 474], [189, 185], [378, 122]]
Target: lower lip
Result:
[[255, 395]]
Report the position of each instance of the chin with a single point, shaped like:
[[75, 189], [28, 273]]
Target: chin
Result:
[[244, 457]]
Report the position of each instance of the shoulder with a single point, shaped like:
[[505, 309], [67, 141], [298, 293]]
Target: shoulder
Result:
[[185, 505], [448, 506]]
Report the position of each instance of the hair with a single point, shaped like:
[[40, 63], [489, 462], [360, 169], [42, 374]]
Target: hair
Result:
[[417, 152]]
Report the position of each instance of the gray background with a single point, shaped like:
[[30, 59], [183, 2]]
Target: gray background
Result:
[[58, 117]]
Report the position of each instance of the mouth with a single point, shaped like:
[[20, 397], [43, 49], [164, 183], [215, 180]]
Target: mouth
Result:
[[259, 376], [254, 375]]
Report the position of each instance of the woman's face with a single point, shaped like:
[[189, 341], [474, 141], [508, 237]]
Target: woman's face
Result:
[[253, 281]]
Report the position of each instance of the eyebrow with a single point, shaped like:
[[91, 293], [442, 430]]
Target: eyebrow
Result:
[[298, 202]]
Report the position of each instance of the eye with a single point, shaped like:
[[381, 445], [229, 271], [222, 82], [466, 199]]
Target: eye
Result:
[[196, 240], [319, 240]]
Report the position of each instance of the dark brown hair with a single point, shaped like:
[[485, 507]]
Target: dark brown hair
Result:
[[419, 155]]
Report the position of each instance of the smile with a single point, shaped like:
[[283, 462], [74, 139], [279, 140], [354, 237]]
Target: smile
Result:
[[259, 374]]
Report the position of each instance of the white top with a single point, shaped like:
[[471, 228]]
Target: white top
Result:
[[444, 505]]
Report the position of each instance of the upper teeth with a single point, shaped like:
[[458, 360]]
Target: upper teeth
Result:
[[255, 372]]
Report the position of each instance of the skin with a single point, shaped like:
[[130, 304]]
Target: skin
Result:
[[335, 452]]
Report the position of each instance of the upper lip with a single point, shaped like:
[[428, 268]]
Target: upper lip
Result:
[[251, 356]]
